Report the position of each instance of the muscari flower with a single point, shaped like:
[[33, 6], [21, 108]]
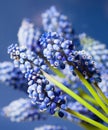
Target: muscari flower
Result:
[[54, 21], [97, 50], [52, 45], [22, 110], [50, 127], [59, 52], [12, 76], [28, 35], [40, 90], [25, 28]]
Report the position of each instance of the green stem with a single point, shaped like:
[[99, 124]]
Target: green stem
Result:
[[56, 71], [92, 91], [84, 124], [88, 98], [87, 119], [75, 96], [88, 126], [101, 94], [60, 74]]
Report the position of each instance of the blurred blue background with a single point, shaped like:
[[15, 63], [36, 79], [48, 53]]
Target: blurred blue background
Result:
[[90, 16]]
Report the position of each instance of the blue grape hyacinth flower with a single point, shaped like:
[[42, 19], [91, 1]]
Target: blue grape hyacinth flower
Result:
[[54, 21], [97, 50], [22, 110], [12, 76], [54, 47], [60, 52], [40, 90], [28, 35]]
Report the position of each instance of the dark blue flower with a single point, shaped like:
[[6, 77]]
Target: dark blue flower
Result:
[[97, 50]]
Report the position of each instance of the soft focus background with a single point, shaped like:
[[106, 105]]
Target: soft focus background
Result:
[[90, 16]]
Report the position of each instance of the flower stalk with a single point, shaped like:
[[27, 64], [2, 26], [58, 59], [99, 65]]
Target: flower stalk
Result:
[[92, 91], [88, 98], [76, 97], [88, 126], [88, 120], [105, 99]]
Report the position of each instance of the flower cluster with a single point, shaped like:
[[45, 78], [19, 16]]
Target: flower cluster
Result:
[[84, 63], [13, 76], [22, 110], [59, 51], [97, 50], [54, 21], [53, 45], [42, 92], [28, 35], [50, 127]]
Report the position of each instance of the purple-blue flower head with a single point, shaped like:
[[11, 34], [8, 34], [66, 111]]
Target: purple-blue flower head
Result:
[[28, 35], [84, 63], [54, 21], [12, 76], [54, 48], [60, 52], [40, 90], [97, 50], [22, 110]]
